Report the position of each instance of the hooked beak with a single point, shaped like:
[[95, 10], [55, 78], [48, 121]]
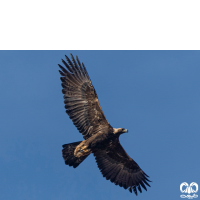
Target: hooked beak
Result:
[[125, 131]]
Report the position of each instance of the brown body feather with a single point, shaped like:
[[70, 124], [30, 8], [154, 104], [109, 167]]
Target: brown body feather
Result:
[[101, 139]]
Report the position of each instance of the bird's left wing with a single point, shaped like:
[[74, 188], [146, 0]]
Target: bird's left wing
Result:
[[116, 166]]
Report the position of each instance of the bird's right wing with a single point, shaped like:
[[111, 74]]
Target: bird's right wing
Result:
[[81, 101]]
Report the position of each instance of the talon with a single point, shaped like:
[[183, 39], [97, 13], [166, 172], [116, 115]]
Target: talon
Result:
[[81, 150]]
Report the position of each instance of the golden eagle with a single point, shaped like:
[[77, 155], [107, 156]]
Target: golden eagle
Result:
[[101, 139]]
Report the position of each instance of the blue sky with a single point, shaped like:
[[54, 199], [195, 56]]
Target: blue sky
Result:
[[154, 94]]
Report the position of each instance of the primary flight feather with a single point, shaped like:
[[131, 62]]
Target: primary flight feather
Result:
[[100, 138]]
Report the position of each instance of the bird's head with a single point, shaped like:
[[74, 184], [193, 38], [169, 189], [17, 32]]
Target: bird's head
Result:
[[119, 131]]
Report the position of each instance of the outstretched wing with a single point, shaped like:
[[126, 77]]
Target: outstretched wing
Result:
[[80, 98], [116, 166]]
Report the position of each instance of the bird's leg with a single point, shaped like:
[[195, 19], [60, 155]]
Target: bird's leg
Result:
[[81, 149], [85, 150]]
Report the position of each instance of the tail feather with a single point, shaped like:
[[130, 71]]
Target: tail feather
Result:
[[68, 154]]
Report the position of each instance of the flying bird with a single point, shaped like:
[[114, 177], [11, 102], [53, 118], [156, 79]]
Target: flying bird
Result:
[[100, 138]]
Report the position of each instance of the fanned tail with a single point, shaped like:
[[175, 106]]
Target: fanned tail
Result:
[[68, 154]]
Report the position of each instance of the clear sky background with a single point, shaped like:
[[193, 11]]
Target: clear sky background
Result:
[[154, 94]]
